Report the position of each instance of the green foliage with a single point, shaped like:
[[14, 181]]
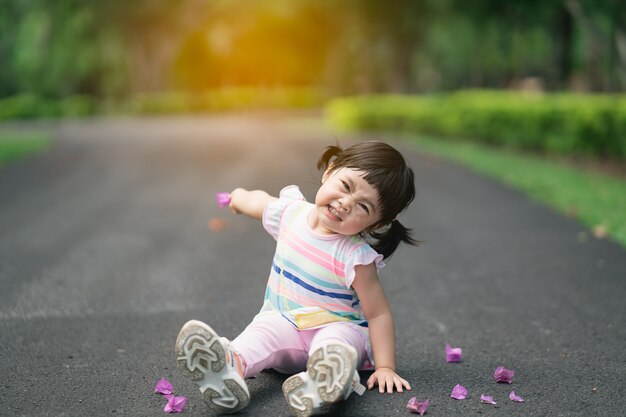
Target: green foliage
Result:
[[113, 49], [553, 123], [57, 49], [15, 146], [30, 106]]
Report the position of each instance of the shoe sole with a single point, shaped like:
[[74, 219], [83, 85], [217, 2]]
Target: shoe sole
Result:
[[202, 359], [330, 368]]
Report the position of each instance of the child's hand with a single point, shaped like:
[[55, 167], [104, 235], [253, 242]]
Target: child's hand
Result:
[[385, 377]]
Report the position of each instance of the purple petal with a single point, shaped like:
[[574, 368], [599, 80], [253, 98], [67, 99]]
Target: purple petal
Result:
[[175, 404], [501, 374], [163, 387], [223, 199], [416, 406], [459, 392], [515, 397], [487, 399], [453, 354]]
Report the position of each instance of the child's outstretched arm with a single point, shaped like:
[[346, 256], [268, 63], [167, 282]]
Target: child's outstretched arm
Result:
[[250, 203], [381, 328]]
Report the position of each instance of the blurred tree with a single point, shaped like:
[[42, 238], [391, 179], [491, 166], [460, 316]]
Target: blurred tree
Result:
[[603, 26], [109, 48], [400, 25], [53, 49], [585, 36], [9, 18]]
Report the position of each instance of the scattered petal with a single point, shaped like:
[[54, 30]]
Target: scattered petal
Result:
[[459, 392], [515, 397], [164, 387], [175, 404], [453, 354], [217, 224], [501, 374], [487, 399], [418, 407], [223, 199]]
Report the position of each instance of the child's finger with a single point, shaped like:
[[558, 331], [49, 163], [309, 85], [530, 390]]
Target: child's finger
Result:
[[399, 383], [371, 382], [405, 383], [381, 385], [389, 385]]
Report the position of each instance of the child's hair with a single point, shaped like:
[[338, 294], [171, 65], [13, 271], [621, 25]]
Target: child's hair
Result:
[[386, 171]]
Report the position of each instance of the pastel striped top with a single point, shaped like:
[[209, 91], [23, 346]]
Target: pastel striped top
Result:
[[311, 275]]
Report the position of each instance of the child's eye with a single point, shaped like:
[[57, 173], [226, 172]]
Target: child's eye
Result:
[[364, 207], [345, 185]]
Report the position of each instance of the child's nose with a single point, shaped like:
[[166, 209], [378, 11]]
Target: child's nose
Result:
[[346, 204]]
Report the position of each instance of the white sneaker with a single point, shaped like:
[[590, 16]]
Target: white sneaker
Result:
[[206, 359], [330, 377]]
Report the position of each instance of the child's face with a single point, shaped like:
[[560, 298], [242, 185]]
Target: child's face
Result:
[[345, 203]]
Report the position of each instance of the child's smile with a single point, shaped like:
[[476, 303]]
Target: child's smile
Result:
[[345, 204]]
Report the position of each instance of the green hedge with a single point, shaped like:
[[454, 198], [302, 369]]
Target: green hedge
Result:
[[27, 106], [557, 123]]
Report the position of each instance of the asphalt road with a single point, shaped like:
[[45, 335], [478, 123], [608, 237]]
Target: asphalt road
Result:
[[106, 250]]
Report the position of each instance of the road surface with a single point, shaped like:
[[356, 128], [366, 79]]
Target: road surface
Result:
[[111, 241]]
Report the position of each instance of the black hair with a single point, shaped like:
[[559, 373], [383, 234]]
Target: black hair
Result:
[[386, 170]]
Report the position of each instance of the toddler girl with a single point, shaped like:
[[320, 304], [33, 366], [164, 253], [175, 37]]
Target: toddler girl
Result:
[[324, 308]]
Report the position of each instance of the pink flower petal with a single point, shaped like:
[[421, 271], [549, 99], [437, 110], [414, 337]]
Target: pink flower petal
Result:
[[223, 199], [163, 387], [453, 354], [487, 399], [459, 392], [418, 407], [515, 397], [175, 404], [501, 374]]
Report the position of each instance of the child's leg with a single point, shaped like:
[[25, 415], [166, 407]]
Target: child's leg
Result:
[[270, 341], [348, 333], [205, 358], [335, 351]]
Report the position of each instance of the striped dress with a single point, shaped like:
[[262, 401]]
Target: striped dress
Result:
[[311, 275]]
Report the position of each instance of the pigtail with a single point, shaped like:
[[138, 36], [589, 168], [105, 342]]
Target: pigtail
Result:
[[387, 241], [330, 153]]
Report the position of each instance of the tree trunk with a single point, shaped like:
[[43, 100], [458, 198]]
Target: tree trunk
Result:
[[563, 45], [595, 43], [617, 57]]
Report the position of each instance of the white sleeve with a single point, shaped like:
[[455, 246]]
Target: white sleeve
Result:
[[362, 255], [273, 212]]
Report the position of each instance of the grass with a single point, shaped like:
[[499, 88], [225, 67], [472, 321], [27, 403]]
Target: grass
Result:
[[597, 200], [14, 146]]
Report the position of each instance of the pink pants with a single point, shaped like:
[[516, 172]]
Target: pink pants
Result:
[[271, 341]]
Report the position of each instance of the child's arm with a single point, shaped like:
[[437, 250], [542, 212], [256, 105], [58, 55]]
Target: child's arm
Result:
[[381, 328], [250, 203]]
